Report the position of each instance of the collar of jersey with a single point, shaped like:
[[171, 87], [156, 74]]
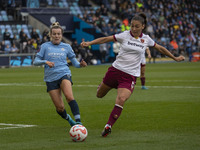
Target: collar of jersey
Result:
[[134, 36]]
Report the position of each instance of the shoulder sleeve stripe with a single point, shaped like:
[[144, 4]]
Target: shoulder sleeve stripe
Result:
[[114, 38]]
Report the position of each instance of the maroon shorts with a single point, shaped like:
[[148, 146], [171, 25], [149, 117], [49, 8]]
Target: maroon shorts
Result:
[[118, 79], [142, 65]]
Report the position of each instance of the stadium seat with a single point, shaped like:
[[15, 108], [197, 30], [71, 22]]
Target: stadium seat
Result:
[[7, 42], [24, 26], [38, 32], [2, 31], [13, 26], [8, 26], [10, 18], [60, 4], [18, 26], [17, 36], [3, 12], [5, 17], [29, 27], [2, 27], [15, 31], [50, 2], [65, 4]]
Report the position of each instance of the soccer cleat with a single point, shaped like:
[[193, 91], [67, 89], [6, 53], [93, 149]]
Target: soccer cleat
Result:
[[79, 123], [144, 88], [70, 120], [106, 131]]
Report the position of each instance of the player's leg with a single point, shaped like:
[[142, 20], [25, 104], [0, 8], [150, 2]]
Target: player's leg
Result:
[[109, 82], [122, 95], [66, 87], [102, 90], [56, 97], [142, 77]]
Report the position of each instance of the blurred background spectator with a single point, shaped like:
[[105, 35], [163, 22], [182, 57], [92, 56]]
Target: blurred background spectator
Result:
[[174, 24]]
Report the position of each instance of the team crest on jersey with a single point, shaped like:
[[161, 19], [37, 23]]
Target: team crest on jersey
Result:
[[62, 49], [142, 40]]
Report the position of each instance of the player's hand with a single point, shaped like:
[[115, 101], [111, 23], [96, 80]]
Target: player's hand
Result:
[[180, 58], [85, 44], [83, 63], [149, 56], [50, 64]]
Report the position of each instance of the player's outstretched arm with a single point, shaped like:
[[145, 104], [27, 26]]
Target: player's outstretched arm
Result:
[[166, 52], [98, 41]]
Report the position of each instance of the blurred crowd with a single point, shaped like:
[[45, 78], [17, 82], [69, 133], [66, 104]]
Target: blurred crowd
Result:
[[23, 44], [171, 23]]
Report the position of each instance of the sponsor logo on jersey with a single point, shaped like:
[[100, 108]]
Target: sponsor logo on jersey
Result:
[[55, 54], [135, 44]]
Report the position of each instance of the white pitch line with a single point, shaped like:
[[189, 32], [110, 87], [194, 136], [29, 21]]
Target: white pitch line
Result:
[[173, 80], [175, 87], [14, 126], [19, 84], [96, 85]]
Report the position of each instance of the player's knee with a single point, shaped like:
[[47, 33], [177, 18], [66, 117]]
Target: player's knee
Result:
[[60, 108], [69, 98], [99, 95], [122, 99]]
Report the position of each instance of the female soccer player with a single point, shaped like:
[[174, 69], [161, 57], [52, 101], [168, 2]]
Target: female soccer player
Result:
[[57, 74], [126, 68], [143, 67]]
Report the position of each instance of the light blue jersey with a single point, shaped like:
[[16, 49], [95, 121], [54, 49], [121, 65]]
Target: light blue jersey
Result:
[[57, 54]]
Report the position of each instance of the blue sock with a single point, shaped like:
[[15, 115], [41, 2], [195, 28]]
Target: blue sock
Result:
[[75, 110], [63, 114]]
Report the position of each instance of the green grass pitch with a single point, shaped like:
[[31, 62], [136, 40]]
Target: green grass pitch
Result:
[[165, 117]]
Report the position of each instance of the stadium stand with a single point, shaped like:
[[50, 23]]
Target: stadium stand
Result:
[[168, 21]]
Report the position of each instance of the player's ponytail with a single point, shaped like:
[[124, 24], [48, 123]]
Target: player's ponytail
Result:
[[145, 19]]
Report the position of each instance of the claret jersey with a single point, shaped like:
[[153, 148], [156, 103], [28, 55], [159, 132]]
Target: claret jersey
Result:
[[129, 58]]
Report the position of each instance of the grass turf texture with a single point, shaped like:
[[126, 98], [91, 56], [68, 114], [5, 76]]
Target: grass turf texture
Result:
[[167, 116]]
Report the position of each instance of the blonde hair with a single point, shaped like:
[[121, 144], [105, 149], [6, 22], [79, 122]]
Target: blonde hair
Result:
[[55, 25]]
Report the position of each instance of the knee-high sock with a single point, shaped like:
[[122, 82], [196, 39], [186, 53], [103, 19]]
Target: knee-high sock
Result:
[[75, 110], [116, 112], [63, 114], [142, 81]]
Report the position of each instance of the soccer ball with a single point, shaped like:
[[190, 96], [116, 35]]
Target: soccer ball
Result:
[[78, 133]]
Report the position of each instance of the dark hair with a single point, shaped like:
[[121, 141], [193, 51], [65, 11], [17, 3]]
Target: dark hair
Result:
[[142, 18], [55, 25]]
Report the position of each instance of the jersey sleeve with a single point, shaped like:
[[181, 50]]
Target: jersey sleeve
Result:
[[119, 37], [39, 59], [75, 62], [71, 53], [40, 54], [151, 42]]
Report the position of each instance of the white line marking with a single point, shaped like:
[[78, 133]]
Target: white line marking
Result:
[[175, 87], [96, 85], [173, 80], [20, 84], [14, 126]]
